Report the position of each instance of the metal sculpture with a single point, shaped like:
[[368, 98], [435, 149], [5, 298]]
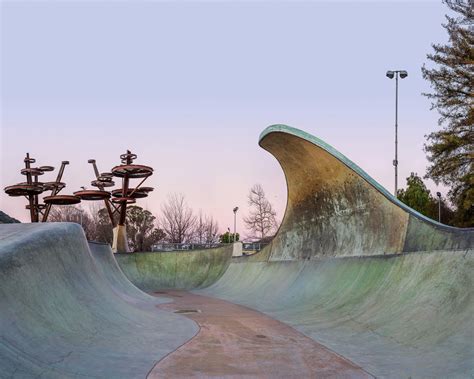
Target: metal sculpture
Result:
[[32, 188], [116, 201]]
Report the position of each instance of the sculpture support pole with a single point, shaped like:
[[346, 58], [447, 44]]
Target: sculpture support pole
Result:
[[120, 242], [31, 199], [55, 189], [106, 201]]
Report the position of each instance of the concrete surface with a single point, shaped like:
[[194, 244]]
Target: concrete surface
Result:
[[175, 269], [351, 268], [236, 341], [63, 314], [397, 317]]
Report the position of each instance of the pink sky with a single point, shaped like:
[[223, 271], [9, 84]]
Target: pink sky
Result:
[[189, 86]]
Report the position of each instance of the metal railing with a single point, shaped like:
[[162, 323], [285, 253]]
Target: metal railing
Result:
[[185, 246], [247, 247]]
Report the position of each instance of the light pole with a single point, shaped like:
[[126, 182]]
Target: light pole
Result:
[[228, 231], [439, 205], [390, 74], [235, 223]]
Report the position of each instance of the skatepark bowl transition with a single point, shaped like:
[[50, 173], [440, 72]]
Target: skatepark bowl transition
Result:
[[354, 285]]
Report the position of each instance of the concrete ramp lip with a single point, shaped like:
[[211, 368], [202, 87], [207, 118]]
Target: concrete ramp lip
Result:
[[281, 128]]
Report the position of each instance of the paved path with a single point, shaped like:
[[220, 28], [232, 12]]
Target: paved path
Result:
[[237, 341]]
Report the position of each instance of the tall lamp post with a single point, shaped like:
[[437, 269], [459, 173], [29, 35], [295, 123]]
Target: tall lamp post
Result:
[[235, 223], [439, 205], [391, 74]]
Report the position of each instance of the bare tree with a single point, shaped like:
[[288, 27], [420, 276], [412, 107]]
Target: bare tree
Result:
[[211, 230], [200, 228], [177, 219], [67, 213], [262, 217], [206, 229]]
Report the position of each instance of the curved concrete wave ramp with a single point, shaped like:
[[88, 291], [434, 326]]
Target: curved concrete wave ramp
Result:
[[358, 271]]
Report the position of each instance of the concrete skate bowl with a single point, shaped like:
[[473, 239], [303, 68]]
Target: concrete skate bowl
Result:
[[177, 269], [358, 271], [67, 310]]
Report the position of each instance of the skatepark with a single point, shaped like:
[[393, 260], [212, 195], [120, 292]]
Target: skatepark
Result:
[[354, 284]]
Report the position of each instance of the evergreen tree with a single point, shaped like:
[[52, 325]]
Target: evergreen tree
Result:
[[418, 197], [450, 150], [228, 237], [141, 230]]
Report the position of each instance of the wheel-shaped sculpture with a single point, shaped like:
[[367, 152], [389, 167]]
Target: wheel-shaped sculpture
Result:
[[121, 200], [133, 171], [104, 179], [92, 195], [138, 194], [49, 186], [98, 183], [46, 168], [32, 171], [128, 156], [62, 200], [24, 189]]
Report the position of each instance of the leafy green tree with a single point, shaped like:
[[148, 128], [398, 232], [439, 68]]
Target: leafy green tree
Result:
[[102, 227], [6, 219], [141, 230], [228, 237], [450, 150], [418, 197]]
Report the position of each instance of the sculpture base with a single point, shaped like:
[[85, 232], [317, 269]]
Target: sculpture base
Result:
[[120, 244]]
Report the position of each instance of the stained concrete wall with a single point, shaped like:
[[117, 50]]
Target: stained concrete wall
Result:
[[65, 311], [175, 269], [335, 209]]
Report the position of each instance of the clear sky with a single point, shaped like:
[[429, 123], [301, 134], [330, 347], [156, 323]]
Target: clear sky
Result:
[[189, 86]]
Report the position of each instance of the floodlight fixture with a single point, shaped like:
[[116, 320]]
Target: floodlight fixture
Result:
[[395, 74]]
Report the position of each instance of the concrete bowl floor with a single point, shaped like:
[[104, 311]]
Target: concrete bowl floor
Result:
[[236, 341]]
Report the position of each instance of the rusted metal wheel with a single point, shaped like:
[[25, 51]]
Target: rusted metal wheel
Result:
[[133, 171], [49, 186], [39, 206], [24, 189], [62, 200], [106, 175], [131, 156], [32, 171], [46, 168], [92, 195], [120, 200], [98, 183], [138, 194], [104, 179]]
